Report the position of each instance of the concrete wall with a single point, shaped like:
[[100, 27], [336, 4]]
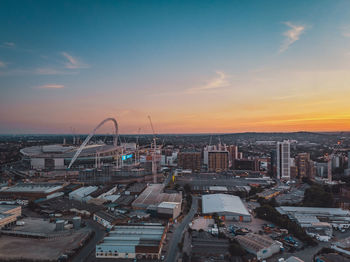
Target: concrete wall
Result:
[[268, 252], [37, 163], [173, 212], [59, 163]]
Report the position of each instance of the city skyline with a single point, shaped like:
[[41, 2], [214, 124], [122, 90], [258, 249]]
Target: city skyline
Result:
[[194, 66]]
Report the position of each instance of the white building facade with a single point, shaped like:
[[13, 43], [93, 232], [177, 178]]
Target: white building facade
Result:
[[283, 160]]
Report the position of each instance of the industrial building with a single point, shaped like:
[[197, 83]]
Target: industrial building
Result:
[[261, 246], [228, 207], [83, 193], [133, 241], [108, 220], [154, 195], [9, 214], [205, 189], [317, 221], [30, 191], [169, 209]]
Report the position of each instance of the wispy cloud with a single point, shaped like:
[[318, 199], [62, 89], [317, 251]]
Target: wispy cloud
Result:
[[51, 86], [73, 62], [51, 71], [220, 81], [2, 64], [345, 31], [292, 35], [8, 45]]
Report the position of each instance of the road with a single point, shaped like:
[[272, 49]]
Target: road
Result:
[[176, 239], [91, 245], [168, 178]]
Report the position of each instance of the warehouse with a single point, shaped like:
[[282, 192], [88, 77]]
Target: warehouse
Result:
[[154, 195], [83, 193], [133, 241], [109, 220], [9, 214], [30, 191], [228, 207], [169, 209], [261, 246], [307, 216]]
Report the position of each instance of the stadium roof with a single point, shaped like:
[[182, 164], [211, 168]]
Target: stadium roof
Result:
[[61, 151], [218, 203]]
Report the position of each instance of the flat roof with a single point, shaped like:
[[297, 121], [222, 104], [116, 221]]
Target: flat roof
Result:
[[168, 204], [217, 203], [318, 211], [83, 191], [153, 195], [218, 188], [33, 188]]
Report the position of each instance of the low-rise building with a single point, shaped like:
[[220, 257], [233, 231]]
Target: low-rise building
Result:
[[108, 220], [9, 214], [228, 207], [311, 216], [30, 191], [83, 193], [133, 241], [169, 209], [154, 195], [261, 246]]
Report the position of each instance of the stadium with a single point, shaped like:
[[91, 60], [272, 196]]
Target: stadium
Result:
[[60, 156], [50, 157]]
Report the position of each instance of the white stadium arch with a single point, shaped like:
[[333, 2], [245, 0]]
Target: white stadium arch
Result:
[[115, 141]]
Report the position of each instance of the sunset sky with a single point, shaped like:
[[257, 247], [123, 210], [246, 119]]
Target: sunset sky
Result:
[[193, 66]]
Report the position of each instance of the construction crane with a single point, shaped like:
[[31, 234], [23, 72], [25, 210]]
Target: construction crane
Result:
[[330, 158], [154, 152], [137, 145]]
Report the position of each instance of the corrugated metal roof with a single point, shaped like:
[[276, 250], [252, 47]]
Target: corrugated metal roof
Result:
[[124, 239], [217, 203], [314, 210]]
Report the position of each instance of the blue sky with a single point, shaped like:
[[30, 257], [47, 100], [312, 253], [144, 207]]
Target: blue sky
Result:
[[238, 65]]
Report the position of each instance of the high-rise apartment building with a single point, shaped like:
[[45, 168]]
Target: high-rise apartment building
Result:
[[234, 154], [305, 166], [218, 161], [190, 159], [216, 157], [283, 160]]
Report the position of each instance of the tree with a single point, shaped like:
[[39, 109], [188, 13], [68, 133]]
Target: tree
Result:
[[236, 249], [187, 188], [318, 196]]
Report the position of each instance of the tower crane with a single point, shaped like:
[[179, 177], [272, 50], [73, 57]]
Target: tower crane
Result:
[[330, 158], [154, 152], [137, 145]]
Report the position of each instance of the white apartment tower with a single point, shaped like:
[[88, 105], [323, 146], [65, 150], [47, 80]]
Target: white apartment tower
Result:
[[283, 160]]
